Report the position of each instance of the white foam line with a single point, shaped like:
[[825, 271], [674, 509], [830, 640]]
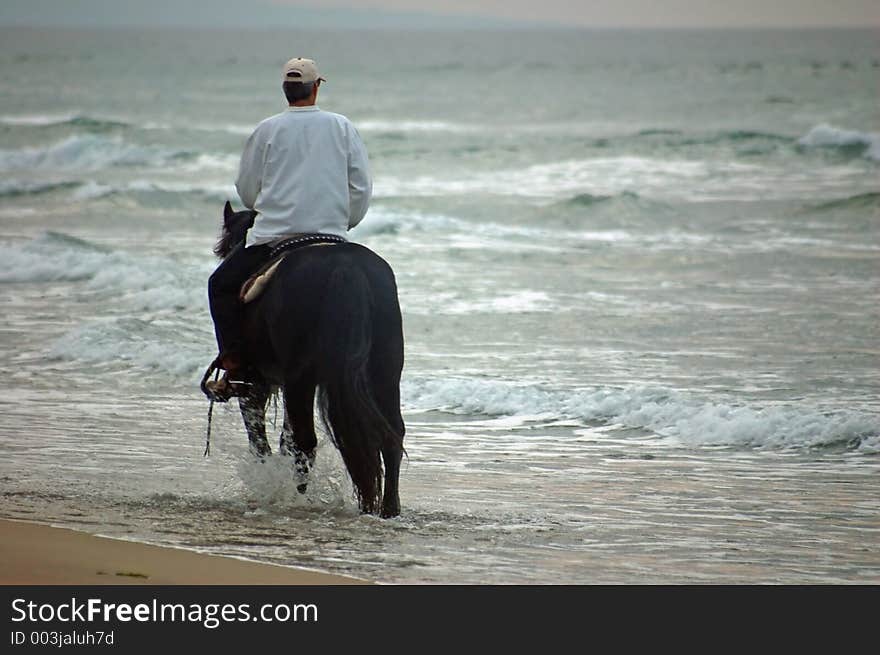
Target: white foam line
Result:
[[683, 420]]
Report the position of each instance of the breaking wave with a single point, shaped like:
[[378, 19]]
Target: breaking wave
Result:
[[382, 126], [58, 120], [98, 124], [136, 282], [138, 343], [598, 177], [18, 188], [88, 152], [143, 306], [869, 200], [675, 137], [589, 199], [216, 192], [681, 419], [93, 190], [866, 144]]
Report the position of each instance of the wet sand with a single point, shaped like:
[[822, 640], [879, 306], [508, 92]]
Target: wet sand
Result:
[[32, 554]]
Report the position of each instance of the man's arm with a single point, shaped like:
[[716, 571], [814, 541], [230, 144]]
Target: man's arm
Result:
[[360, 184], [250, 169]]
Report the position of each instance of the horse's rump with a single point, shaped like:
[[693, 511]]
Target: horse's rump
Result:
[[331, 316], [284, 317]]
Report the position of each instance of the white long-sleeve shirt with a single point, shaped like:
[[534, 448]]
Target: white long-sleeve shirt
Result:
[[304, 170]]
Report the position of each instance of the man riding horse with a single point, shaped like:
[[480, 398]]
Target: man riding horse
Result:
[[304, 171]]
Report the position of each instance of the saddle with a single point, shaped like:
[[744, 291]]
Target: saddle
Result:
[[256, 283]]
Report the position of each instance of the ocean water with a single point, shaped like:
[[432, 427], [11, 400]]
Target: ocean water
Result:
[[639, 274]]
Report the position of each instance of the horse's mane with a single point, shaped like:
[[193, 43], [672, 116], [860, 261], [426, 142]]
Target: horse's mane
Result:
[[235, 226], [224, 244]]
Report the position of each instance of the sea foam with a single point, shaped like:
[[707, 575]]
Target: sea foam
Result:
[[138, 282], [145, 307], [381, 126], [681, 419], [93, 190], [37, 120], [12, 188], [85, 152], [648, 177], [177, 349], [828, 136]]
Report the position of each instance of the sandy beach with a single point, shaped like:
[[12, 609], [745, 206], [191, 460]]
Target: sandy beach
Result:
[[32, 554]]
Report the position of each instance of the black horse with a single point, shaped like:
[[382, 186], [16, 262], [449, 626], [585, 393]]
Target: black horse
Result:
[[329, 320]]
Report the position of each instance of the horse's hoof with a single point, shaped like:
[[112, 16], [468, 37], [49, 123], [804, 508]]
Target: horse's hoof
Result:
[[389, 512]]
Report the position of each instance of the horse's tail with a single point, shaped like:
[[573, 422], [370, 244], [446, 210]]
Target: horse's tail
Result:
[[347, 404]]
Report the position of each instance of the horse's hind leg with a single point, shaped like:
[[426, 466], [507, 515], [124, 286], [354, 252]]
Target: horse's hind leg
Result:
[[391, 456], [298, 437], [387, 393], [253, 411]]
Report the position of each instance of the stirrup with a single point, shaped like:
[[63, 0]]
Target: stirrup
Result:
[[222, 389]]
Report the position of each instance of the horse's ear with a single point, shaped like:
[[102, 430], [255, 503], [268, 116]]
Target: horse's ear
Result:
[[227, 212]]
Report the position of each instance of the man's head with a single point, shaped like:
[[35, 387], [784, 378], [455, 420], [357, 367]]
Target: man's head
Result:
[[300, 81]]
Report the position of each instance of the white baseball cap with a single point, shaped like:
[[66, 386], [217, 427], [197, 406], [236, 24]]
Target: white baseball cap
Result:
[[301, 70]]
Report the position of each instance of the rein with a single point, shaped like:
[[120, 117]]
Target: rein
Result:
[[210, 408]]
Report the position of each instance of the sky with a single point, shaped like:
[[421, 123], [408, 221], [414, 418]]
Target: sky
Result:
[[644, 13], [444, 13]]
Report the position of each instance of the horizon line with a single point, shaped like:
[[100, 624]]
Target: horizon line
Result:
[[518, 27]]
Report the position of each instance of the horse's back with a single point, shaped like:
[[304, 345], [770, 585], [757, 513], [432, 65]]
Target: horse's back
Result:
[[305, 274], [285, 323]]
